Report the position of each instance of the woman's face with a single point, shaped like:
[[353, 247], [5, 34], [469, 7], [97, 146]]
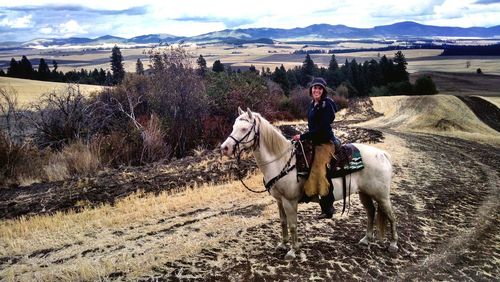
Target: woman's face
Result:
[[317, 91]]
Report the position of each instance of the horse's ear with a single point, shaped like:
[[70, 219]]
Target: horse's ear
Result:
[[249, 113], [240, 111]]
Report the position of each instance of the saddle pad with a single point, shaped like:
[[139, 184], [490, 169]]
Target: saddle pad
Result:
[[347, 160]]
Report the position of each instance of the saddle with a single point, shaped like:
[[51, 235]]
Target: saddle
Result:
[[346, 160]]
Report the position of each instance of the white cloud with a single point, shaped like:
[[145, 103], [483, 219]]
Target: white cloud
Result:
[[71, 27], [21, 22], [46, 30]]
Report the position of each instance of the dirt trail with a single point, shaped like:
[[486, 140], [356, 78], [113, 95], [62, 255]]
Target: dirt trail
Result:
[[447, 204]]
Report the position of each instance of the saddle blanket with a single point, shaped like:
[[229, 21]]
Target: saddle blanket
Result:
[[346, 161]]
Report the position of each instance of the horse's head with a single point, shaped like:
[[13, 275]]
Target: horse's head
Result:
[[245, 134]]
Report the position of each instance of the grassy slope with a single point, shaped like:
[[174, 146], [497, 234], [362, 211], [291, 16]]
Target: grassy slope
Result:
[[436, 114], [29, 91]]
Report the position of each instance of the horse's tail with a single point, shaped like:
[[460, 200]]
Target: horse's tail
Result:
[[381, 222]]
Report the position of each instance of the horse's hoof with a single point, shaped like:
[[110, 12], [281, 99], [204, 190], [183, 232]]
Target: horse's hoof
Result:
[[281, 247], [290, 255], [393, 248], [365, 241]]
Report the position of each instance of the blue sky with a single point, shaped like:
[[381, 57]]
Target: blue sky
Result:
[[22, 20]]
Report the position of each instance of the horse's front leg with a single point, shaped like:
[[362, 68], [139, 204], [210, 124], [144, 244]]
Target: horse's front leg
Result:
[[284, 227], [290, 208]]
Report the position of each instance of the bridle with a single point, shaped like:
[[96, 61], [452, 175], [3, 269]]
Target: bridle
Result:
[[256, 138]]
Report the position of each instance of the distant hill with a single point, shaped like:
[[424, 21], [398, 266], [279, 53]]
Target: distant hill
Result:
[[319, 32]]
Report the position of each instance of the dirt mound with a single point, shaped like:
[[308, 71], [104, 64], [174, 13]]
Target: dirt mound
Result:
[[442, 114], [484, 110]]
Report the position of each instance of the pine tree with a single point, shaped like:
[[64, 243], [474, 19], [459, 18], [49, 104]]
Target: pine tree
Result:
[[218, 66], [279, 76], [308, 70], [25, 68], [13, 69], [333, 65], [43, 70], [400, 73], [139, 67], [117, 65], [202, 65]]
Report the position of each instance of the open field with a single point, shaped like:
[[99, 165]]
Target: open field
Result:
[[259, 55], [445, 193], [29, 91]]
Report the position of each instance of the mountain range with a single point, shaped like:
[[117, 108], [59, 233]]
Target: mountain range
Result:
[[401, 30]]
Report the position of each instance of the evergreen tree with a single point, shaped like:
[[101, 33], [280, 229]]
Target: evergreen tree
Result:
[[253, 69], [43, 70], [202, 65], [333, 65], [102, 77], [279, 76], [400, 73], [117, 65], [13, 69], [25, 68], [139, 67], [387, 70], [2, 73], [218, 66], [308, 71]]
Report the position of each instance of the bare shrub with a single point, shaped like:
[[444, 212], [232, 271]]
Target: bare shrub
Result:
[[8, 110], [61, 117], [299, 101]]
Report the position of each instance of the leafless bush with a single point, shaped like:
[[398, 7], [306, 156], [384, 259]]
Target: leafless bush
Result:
[[61, 117], [9, 111]]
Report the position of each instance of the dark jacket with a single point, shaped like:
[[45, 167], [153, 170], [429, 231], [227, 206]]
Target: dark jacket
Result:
[[319, 120]]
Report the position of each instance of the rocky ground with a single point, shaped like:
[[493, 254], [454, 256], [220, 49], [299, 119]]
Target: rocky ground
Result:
[[445, 195]]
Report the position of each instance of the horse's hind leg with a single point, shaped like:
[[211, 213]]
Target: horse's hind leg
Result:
[[284, 227], [386, 206], [370, 210]]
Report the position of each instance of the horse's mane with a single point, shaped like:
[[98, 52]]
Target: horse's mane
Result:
[[271, 137]]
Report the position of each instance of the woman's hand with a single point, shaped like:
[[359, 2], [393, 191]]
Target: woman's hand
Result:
[[296, 137]]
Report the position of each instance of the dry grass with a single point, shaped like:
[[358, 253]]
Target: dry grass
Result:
[[437, 114], [29, 91], [75, 159], [139, 220]]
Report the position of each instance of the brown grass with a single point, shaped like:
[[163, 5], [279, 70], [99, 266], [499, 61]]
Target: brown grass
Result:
[[134, 217], [30, 91], [437, 114]]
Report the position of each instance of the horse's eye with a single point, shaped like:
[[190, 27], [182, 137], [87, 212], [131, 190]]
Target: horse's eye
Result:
[[244, 129]]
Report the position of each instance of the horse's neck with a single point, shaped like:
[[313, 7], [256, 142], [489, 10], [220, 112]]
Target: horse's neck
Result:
[[270, 164]]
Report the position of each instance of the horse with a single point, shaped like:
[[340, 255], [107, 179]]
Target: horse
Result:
[[272, 152]]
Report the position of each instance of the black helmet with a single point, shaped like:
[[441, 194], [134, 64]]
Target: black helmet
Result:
[[317, 81]]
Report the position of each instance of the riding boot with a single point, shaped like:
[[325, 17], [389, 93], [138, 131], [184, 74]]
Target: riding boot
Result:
[[326, 204]]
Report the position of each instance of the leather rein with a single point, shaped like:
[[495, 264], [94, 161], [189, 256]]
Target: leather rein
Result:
[[256, 138]]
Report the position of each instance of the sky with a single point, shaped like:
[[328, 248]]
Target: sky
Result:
[[22, 20]]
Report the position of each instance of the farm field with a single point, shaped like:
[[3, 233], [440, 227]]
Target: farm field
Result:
[[29, 91], [144, 224]]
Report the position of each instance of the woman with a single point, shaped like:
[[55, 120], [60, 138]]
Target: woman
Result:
[[320, 115]]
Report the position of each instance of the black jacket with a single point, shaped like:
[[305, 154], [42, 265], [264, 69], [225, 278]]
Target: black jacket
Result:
[[319, 120]]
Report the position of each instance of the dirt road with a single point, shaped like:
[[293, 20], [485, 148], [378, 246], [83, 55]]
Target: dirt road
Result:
[[446, 200]]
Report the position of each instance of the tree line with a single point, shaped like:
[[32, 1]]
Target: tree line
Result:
[[24, 69]]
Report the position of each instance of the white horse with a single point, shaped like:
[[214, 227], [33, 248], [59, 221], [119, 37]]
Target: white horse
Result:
[[272, 153]]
